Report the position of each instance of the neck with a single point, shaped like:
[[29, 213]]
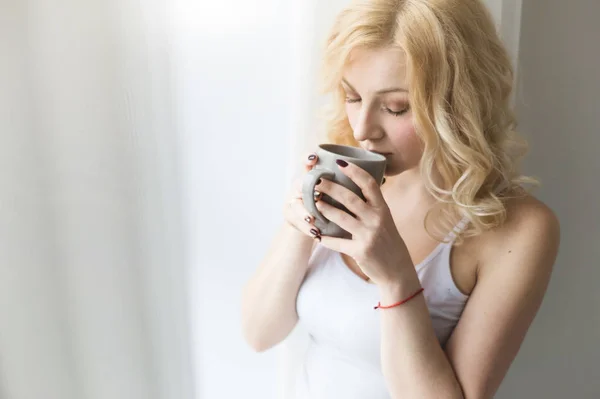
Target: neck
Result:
[[407, 190], [408, 198], [407, 182]]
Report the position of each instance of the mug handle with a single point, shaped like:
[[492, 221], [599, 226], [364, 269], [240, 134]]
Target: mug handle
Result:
[[308, 191]]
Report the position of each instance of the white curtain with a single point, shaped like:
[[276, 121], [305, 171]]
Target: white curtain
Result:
[[93, 296], [145, 148], [310, 24]]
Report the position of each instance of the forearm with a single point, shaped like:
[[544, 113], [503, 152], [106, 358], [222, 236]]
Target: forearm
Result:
[[413, 362], [269, 298]]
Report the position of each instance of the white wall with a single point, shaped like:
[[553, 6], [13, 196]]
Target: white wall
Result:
[[558, 109], [507, 14]]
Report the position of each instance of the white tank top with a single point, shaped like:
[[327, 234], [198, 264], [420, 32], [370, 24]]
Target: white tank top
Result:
[[335, 306]]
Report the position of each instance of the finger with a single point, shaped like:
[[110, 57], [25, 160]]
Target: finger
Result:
[[299, 195], [306, 221], [339, 217], [318, 195], [309, 219], [341, 245], [366, 182], [311, 161], [344, 196]]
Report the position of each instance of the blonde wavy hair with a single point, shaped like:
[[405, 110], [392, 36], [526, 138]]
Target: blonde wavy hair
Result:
[[460, 79]]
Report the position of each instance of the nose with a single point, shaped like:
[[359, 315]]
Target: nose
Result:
[[367, 126]]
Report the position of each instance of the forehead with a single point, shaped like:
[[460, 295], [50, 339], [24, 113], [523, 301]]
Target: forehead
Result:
[[373, 69]]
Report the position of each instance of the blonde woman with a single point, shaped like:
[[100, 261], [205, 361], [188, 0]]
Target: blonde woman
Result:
[[453, 249]]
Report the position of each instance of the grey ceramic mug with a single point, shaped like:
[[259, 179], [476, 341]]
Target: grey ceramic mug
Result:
[[326, 168]]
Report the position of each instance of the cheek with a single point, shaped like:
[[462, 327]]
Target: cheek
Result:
[[407, 145], [403, 135]]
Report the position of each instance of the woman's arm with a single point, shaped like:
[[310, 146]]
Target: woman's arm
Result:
[[513, 278], [412, 360], [515, 263], [269, 297]]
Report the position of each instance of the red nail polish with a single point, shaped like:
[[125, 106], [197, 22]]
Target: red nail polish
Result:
[[341, 162]]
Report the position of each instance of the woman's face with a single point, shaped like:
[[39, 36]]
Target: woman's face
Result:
[[377, 104]]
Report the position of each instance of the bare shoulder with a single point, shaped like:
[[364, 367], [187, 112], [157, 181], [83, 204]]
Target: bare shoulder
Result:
[[527, 217], [513, 273], [531, 231]]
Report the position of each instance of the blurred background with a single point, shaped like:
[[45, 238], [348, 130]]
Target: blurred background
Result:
[[145, 150]]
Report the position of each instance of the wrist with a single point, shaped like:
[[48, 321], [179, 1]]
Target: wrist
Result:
[[394, 291], [291, 231]]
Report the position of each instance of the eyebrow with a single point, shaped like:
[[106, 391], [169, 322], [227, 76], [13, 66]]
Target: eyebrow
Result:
[[384, 91]]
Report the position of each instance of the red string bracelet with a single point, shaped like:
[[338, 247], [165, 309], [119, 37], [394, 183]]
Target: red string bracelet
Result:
[[399, 303]]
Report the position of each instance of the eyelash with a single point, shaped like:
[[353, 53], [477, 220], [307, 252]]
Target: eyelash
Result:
[[389, 111]]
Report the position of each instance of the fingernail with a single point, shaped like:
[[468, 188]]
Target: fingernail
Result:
[[314, 232], [317, 195], [318, 238], [318, 182], [308, 219], [341, 162], [312, 157]]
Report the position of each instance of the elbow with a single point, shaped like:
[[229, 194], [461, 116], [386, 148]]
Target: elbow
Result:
[[257, 343], [255, 337], [459, 392], [260, 348], [260, 336], [473, 394], [447, 392]]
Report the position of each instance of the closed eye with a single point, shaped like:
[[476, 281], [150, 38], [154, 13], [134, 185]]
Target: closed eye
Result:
[[396, 113]]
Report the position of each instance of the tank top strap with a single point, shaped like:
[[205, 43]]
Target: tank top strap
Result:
[[458, 228]]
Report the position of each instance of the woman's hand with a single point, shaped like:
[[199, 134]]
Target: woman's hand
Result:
[[376, 245], [294, 211]]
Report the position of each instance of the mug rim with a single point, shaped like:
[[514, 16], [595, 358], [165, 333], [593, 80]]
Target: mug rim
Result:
[[374, 156]]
